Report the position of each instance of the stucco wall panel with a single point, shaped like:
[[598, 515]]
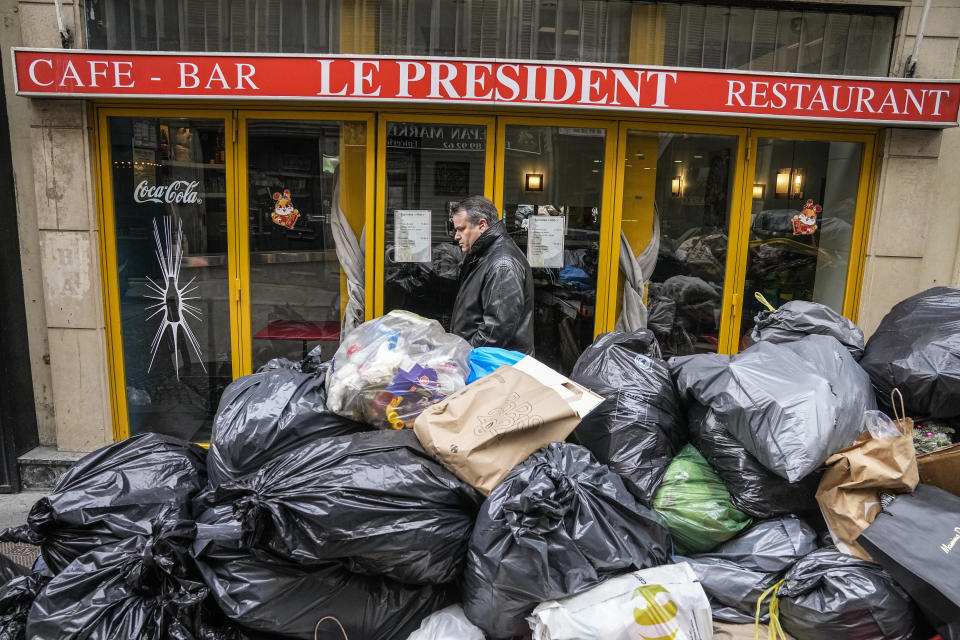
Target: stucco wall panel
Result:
[[80, 389], [906, 202], [62, 178]]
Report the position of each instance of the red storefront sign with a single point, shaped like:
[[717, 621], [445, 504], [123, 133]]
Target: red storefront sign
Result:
[[903, 102]]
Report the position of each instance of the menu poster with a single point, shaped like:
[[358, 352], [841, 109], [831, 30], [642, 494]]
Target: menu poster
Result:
[[411, 235], [545, 242]]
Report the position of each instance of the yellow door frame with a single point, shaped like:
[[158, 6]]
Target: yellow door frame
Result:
[[859, 235], [732, 298], [608, 259], [116, 367], [375, 258], [243, 204]]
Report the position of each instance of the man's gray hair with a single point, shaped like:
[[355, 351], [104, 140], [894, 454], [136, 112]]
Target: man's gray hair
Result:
[[477, 208]]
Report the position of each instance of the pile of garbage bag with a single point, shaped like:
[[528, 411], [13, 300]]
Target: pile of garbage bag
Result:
[[639, 428], [684, 502], [111, 495], [916, 349], [376, 503], [269, 413], [277, 598], [799, 318], [660, 602], [559, 524], [696, 505], [828, 594], [753, 488], [738, 572], [791, 405]]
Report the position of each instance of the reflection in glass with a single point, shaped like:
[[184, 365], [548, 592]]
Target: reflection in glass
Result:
[[569, 163], [295, 276], [429, 169], [801, 227], [169, 194], [685, 181], [795, 38]]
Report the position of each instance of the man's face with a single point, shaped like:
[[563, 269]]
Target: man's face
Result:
[[466, 233]]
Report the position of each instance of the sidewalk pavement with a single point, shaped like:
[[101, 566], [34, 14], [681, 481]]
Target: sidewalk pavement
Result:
[[14, 508]]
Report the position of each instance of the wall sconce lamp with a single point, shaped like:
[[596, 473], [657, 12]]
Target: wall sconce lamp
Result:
[[676, 186], [789, 183], [534, 182], [759, 191]]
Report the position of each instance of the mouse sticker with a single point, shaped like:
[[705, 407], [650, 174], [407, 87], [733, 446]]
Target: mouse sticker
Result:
[[283, 212]]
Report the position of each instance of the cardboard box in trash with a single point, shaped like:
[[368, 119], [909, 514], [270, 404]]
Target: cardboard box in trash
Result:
[[485, 429], [941, 469]]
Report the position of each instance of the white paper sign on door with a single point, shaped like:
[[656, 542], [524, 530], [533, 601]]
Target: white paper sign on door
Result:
[[545, 242], [411, 235]]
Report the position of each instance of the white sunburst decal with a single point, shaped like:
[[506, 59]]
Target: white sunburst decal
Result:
[[172, 297]]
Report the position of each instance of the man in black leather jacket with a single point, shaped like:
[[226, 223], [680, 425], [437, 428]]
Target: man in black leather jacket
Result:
[[494, 306]]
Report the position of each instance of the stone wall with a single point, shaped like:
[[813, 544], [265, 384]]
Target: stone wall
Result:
[[915, 230], [60, 256]]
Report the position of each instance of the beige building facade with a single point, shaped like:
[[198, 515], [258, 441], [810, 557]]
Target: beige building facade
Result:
[[913, 234]]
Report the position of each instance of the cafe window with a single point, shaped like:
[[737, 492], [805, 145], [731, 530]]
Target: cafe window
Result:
[[803, 215], [210, 277], [552, 186], [677, 205], [430, 165], [299, 177], [171, 244]]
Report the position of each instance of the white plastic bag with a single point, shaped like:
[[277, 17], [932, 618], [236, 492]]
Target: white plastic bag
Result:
[[447, 624], [661, 602], [388, 370]]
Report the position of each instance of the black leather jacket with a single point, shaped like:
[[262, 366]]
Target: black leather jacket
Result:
[[494, 307]]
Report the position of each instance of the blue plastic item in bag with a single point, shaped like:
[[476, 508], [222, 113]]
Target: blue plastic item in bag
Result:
[[486, 360]]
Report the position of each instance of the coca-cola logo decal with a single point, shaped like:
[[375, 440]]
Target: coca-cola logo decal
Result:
[[177, 192]]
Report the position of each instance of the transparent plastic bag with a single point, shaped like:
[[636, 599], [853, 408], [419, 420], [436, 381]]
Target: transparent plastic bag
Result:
[[880, 425], [390, 369]]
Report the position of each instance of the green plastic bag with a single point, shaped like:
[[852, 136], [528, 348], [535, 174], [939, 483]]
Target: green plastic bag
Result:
[[696, 505]]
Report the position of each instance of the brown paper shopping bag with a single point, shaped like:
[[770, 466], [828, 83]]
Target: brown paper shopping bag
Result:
[[493, 424], [849, 492]]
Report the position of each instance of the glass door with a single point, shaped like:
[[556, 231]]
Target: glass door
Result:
[[552, 181], [304, 207], [678, 204], [167, 247], [427, 165], [806, 222]]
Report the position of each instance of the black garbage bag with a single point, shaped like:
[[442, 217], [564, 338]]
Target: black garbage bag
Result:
[[144, 587], [269, 413], [269, 595], [916, 349], [559, 524], [111, 495], [791, 405], [10, 569], [374, 502], [916, 538], [754, 489], [829, 595], [799, 318], [735, 574], [639, 427], [16, 598]]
